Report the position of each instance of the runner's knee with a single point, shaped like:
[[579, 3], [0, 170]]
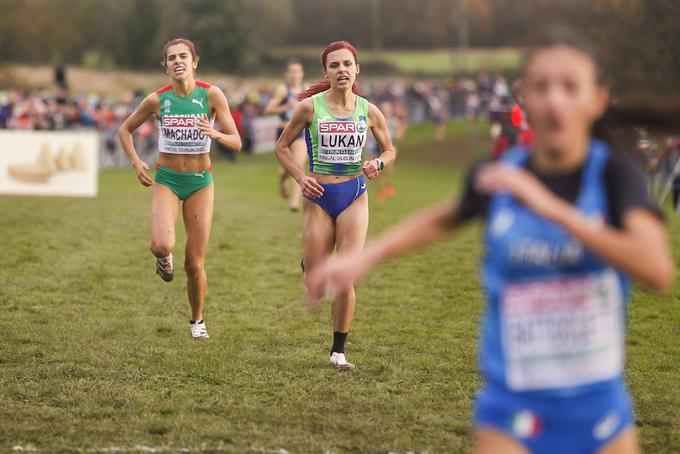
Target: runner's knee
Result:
[[161, 248]]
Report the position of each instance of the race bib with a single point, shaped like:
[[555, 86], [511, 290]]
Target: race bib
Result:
[[180, 134], [564, 332], [341, 141]]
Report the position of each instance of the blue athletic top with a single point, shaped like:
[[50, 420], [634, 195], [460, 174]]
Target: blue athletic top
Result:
[[555, 317], [286, 114]]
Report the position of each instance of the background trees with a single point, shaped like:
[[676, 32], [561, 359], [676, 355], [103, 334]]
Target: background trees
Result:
[[638, 36]]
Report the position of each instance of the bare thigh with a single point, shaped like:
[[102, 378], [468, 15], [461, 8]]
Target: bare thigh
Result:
[[164, 212], [198, 214], [318, 234], [492, 441], [625, 443], [351, 226]]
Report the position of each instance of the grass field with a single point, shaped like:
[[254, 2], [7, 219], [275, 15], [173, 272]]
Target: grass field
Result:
[[96, 354], [432, 62]]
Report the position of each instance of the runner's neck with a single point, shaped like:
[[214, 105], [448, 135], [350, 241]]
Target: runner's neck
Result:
[[183, 88], [343, 98], [554, 161]]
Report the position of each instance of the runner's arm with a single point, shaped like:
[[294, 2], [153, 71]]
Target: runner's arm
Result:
[[149, 106], [420, 230], [378, 125], [274, 106], [228, 135], [639, 248], [302, 116]]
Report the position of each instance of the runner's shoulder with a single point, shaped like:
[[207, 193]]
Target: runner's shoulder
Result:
[[305, 107], [152, 101]]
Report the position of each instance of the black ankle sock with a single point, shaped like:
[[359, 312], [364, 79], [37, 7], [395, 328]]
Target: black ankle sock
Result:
[[338, 342], [192, 322]]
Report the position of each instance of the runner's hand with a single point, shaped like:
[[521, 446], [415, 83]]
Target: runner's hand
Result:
[[141, 168], [207, 129], [310, 187], [521, 184], [339, 272], [371, 169]]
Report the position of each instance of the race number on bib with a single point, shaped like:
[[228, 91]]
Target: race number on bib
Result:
[[564, 332], [180, 134], [341, 141]]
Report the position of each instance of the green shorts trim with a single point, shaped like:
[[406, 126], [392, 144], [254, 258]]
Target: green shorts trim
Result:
[[183, 184]]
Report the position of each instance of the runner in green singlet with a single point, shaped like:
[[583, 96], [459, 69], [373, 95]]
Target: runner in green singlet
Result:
[[335, 121], [185, 109]]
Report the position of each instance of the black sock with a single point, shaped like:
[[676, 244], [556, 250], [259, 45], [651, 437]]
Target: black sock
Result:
[[191, 322], [338, 342]]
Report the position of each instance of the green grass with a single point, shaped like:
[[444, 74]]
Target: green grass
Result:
[[445, 61], [431, 62], [96, 354]]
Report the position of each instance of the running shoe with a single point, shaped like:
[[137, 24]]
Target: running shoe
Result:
[[338, 361], [165, 269], [198, 330]]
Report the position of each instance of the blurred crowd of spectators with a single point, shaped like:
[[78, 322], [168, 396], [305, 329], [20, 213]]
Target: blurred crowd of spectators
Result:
[[415, 101]]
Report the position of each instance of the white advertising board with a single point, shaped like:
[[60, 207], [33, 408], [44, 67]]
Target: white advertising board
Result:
[[49, 163], [264, 133]]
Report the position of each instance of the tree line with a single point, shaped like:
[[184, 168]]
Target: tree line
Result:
[[639, 37]]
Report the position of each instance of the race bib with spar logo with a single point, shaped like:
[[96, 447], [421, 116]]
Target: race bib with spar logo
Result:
[[341, 141], [180, 134], [563, 332]]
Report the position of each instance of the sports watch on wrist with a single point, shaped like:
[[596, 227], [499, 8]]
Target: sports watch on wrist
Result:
[[381, 165]]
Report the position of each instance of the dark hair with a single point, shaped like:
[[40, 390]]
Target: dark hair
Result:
[[324, 85], [560, 36], [174, 41]]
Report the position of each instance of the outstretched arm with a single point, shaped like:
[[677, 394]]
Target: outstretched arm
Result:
[[639, 248], [420, 230]]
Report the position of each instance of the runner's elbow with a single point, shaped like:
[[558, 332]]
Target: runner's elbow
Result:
[[238, 146], [123, 132], [279, 148]]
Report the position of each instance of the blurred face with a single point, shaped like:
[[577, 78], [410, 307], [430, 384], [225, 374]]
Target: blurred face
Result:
[[562, 96], [294, 74], [179, 62], [341, 68]]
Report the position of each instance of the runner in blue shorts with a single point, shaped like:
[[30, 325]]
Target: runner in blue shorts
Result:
[[567, 223], [335, 120]]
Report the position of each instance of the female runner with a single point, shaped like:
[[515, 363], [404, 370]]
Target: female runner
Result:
[[282, 104], [567, 222], [185, 110], [335, 120]]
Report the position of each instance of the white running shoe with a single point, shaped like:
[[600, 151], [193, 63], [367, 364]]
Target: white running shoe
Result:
[[165, 268], [199, 331], [338, 361]]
